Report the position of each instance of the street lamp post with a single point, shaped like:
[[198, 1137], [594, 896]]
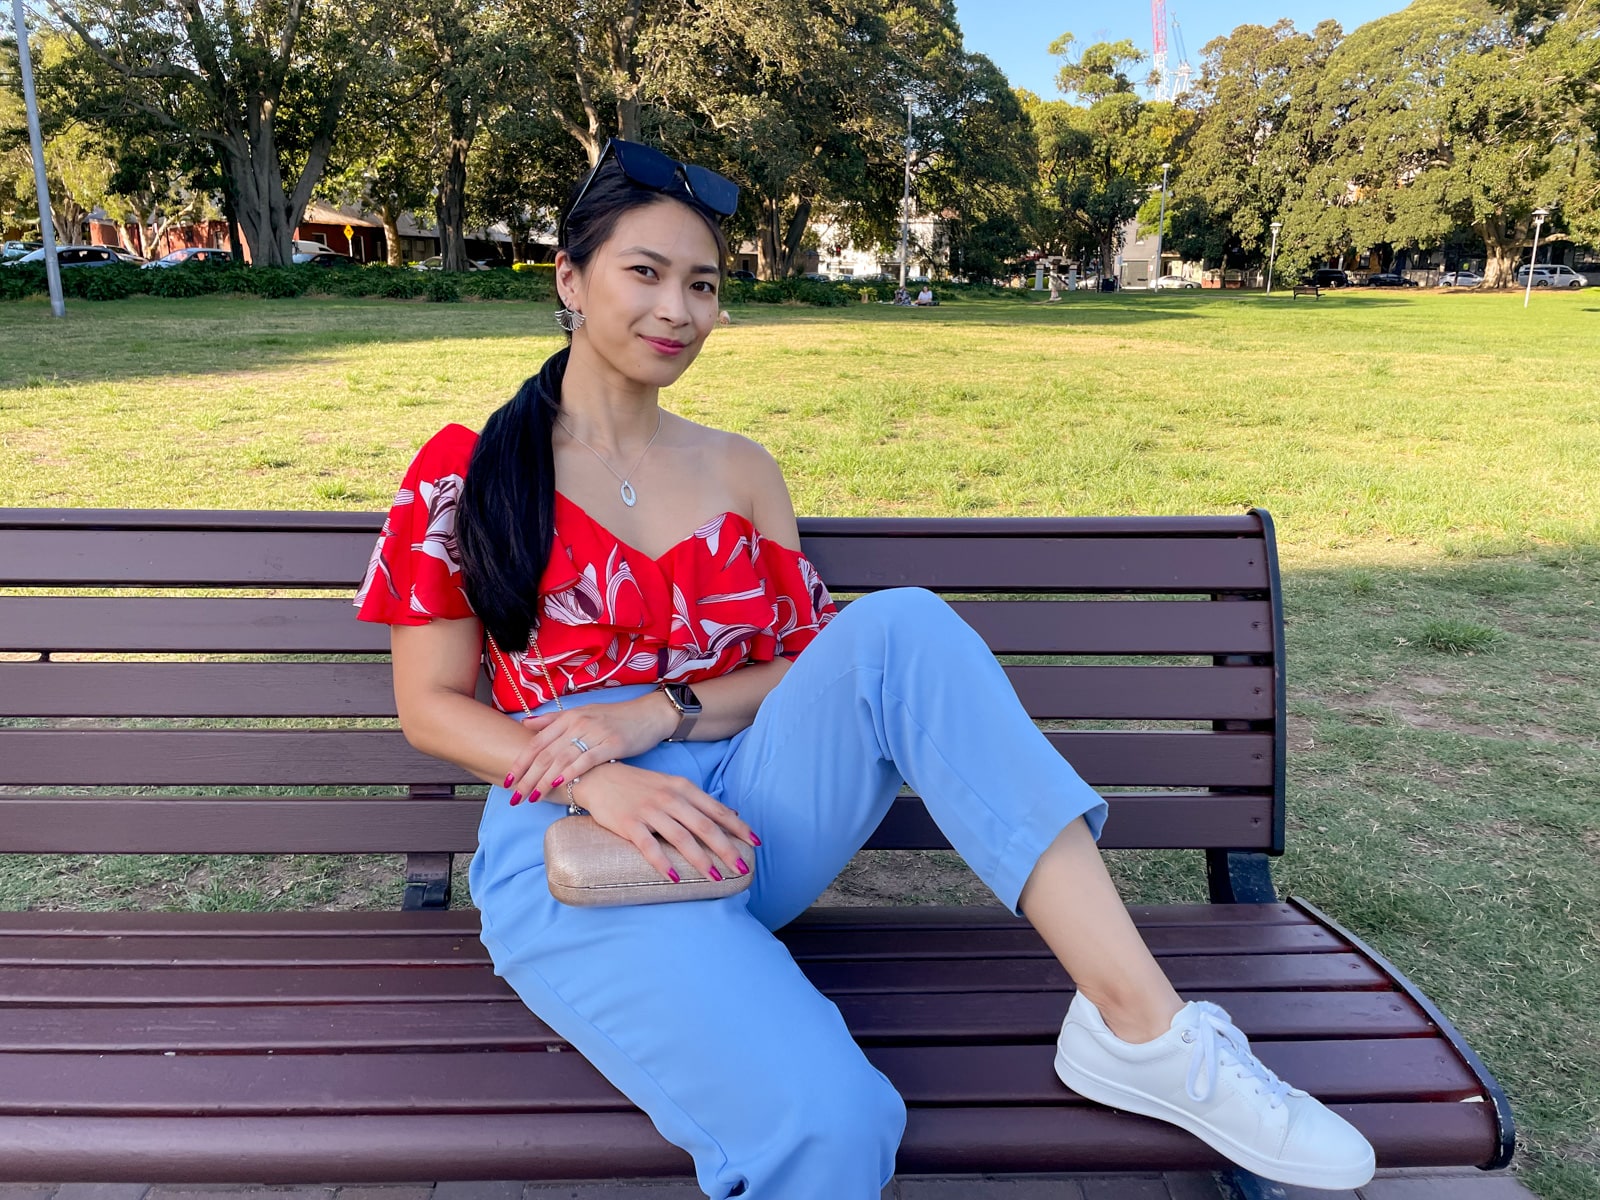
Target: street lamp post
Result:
[[1539, 215], [52, 265], [905, 200], [1272, 259], [1161, 226]]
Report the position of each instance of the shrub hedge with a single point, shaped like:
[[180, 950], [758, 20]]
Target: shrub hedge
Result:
[[278, 283], [535, 282]]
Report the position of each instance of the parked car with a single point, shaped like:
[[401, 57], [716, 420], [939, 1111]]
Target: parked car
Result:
[[73, 256], [1391, 279], [1460, 279], [436, 263], [1551, 275], [192, 255], [816, 277], [326, 258], [128, 256], [1326, 277], [18, 249], [743, 276], [1174, 281]]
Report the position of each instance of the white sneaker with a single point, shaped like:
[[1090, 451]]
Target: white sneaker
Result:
[[1201, 1075]]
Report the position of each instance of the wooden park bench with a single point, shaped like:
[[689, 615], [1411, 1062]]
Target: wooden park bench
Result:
[[196, 683], [1307, 289]]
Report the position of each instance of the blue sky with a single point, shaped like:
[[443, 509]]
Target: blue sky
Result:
[[1014, 33]]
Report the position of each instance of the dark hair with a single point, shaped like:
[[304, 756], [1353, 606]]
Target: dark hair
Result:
[[506, 518]]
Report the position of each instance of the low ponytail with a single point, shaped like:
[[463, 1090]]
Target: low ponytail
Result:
[[506, 519]]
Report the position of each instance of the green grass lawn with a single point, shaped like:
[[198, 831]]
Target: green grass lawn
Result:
[[1433, 463]]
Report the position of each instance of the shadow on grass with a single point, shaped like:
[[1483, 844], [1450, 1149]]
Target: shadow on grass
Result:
[[145, 337]]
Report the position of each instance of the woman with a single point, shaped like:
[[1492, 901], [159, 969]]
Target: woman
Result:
[[711, 693]]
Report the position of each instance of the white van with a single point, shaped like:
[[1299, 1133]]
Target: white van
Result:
[[301, 246], [1551, 275]]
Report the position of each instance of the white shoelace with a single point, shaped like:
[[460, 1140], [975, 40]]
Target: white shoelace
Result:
[[1218, 1044]]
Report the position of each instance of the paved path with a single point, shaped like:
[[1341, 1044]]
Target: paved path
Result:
[[1390, 1185]]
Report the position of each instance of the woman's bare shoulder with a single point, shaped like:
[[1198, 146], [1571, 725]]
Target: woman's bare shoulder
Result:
[[742, 466]]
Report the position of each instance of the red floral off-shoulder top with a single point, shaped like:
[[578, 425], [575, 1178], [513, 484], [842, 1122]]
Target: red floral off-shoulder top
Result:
[[609, 614]]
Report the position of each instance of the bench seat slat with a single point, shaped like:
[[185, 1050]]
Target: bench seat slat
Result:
[[399, 824], [972, 1019], [366, 689], [538, 1081], [567, 1145], [179, 984], [291, 757], [832, 945], [459, 922]]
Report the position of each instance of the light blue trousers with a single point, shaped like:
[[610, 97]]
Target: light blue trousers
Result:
[[694, 1010]]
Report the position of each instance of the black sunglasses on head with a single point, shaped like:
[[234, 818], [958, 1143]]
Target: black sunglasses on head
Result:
[[648, 167]]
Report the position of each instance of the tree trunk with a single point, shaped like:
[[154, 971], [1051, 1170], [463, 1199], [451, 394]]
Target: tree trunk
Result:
[[793, 236], [391, 235], [451, 207], [1502, 249], [230, 213], [1108, 254]]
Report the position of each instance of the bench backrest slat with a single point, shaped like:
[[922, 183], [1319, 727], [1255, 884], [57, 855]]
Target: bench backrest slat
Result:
[[317, 625], [366, 689], [397, 824], [1164, 629], [357, 758]]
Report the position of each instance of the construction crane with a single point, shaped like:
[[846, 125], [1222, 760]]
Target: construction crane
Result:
[[1170, 84]]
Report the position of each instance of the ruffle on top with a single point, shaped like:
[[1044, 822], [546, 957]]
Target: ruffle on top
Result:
[[719, 599]]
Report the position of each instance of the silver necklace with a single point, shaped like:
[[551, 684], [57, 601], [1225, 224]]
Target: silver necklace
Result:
[[629, 496]]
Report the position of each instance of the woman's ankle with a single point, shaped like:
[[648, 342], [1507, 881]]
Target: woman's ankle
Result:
[[1138, 1019]]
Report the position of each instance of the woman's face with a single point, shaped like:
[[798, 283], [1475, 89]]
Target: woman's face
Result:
[[649, 294]]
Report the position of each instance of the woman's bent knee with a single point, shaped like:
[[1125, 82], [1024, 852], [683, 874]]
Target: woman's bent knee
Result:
[[841, 1131]]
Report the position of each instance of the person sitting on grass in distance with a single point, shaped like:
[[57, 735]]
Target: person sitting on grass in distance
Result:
[[639, 578], [901, 296], [925, 296]]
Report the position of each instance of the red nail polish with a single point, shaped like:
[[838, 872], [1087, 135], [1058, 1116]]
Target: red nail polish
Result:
[[558, 781], [673, 875], [743, 870], [715, 874], [754, 840], [533, 795], [516, 797], [510, 779]]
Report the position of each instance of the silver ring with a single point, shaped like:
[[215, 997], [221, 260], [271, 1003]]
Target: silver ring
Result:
[[581, 745]]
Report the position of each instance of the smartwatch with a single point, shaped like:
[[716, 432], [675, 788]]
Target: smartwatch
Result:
[[681, 696]]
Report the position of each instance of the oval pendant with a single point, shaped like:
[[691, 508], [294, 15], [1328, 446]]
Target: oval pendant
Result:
[[628, 496]]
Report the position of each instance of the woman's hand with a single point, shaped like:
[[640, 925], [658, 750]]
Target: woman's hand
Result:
[[637, 804], [620, 729]]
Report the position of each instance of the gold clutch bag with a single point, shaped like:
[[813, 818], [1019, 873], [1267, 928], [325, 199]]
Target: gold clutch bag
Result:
[[591, 867]]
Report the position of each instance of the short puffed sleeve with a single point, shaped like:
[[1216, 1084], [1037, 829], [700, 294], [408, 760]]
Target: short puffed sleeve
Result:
[[414, 575], [801, 601]]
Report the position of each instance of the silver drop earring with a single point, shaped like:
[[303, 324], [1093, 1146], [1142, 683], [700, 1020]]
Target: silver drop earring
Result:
[[569, 319]]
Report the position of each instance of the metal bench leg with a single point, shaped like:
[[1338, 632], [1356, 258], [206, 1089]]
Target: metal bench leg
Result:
[[1239, 877]]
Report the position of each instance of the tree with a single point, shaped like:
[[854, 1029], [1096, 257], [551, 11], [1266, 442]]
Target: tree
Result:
[[1447, 114], [1251, 147], [264, 83], [522, 169], [1097, 159]]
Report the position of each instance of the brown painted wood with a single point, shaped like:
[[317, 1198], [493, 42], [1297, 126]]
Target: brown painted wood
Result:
[[399, 824], [536, 1081], [182, 558], [179, 984], [625, 1145], [314, 624], [956, 1018], [1120, 626], [464, 921], [366, 689], [291, 757], [257, 520], [810, 945]]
